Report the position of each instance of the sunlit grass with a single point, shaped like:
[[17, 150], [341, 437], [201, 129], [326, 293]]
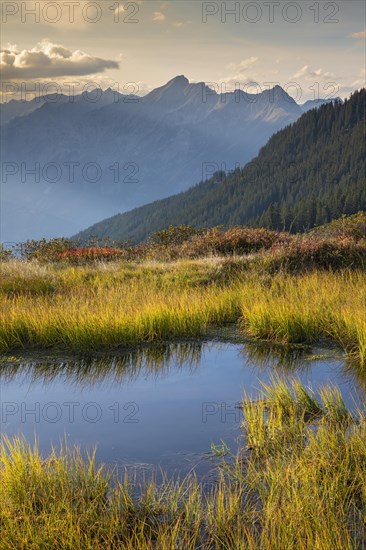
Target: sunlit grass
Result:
[[107, 305], [299, 482], [307, 307]]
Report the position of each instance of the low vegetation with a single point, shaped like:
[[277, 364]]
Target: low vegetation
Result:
[[342, 243], [299, 482], [109, 305], [291, 289]]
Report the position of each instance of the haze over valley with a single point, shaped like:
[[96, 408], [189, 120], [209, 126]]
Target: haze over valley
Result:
[[102, 152]]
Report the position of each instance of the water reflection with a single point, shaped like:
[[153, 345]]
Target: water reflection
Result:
[[173, 400], [147, 361], [287, 359], [157, 360]]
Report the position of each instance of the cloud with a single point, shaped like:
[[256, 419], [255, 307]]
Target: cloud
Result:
[[361, 34], [360, 80], [307, 73], [317, 83], [158, 16], [161, 17], [244, 65], [239, 72], [48, 60]]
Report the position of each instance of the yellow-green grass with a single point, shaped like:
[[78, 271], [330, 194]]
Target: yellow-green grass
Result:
[[106, 305], [298, 483], [307, 307]]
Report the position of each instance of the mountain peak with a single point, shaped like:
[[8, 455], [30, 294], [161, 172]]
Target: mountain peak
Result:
[[180, 80], [278, 92], [172, 91]]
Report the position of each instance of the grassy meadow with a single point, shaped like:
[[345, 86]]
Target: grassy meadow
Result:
[[121, 304], [299, 480]]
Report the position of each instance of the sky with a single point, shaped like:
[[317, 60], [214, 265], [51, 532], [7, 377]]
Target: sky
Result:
[[312, 49]]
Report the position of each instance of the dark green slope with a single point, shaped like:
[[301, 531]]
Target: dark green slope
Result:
[[308, 174]]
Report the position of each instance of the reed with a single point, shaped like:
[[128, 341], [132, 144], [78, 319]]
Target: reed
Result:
[[299, 482], [304, 308], [117, 304]]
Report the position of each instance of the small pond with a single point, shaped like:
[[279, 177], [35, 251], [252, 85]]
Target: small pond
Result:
[[158, 407]]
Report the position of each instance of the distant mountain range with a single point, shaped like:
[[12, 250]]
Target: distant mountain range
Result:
[[68, 161], [316, 103], [307, 174]]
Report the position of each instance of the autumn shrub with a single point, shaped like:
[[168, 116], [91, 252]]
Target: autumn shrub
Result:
[[353, 226], [44, 250], [308, 252], [90, 254], [5, 254], [185, 242], [336, 245], [174, 235]]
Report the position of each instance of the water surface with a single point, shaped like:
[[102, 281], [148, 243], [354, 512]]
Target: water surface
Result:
[[157, 407]]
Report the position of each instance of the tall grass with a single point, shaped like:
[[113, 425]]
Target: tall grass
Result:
[[48, 306], [300, 482], [91, 308], [305, 308]]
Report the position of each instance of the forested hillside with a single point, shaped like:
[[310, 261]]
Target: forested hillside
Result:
[[307, 174]]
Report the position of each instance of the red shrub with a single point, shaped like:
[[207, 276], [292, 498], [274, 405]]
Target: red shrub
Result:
[[91, 254], [304, 252]]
